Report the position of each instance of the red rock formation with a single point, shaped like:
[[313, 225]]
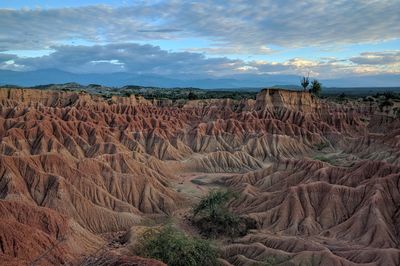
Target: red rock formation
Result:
[[37, 234], [74, 165], [339, 209]]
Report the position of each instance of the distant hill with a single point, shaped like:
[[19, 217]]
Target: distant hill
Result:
[[290, 87], [48, 76]]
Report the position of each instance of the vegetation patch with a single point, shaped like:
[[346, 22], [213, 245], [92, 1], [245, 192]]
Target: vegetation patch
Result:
[[213, 216], [174, 247], [270, 261], [322, 145]]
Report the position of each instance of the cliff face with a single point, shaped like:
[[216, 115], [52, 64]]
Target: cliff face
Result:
[[48, 98], [294, 100], [83, 165]]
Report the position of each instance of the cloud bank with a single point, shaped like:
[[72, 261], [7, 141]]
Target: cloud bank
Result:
[[104, 39], [236, 23], [149, 59]]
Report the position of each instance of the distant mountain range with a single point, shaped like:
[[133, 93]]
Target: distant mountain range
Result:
[[49, 76]]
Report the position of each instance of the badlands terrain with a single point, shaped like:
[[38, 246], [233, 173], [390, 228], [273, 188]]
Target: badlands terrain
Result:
[[78, 173]]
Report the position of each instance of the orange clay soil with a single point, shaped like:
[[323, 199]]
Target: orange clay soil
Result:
[[321, 180]]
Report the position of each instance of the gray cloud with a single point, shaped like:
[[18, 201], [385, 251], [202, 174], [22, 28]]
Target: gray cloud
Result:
[[160, 30], [7, 62], [6, 57], [236, 23], [148, 59], [40, 28], [377, 58], [129, 57], [291, 23]]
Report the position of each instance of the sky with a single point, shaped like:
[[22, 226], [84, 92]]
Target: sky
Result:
[[326, 39]]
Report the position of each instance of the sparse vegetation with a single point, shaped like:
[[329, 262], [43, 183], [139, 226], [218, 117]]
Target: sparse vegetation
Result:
[[322, 145], [127, 94], [389, 94], [149, 92], [396, 112], [385, 106], [316, 88], [192, 96], [213, 216], [270, 261], [213, 201], [174, 247]]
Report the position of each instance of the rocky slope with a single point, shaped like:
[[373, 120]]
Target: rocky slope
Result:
[[73, 166], [349, 214]]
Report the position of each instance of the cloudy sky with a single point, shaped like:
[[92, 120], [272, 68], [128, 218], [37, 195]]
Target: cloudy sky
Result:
[[328, 39]]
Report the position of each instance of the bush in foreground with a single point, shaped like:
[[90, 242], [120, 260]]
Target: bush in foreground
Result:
[[174, 247]]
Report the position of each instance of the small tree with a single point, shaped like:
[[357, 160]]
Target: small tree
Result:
[[385, 106], [316, 87], [214, 202], [192, 96], [342, 96], [389, 95], [213, 216], [305, 81]]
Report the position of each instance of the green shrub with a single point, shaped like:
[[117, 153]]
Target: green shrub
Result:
[[270, 261], [192, 96], [316, 88], [174, 247], [213, 217], [389, 95], [342, 96], [322, 145], [213, 202], [385, 105]]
